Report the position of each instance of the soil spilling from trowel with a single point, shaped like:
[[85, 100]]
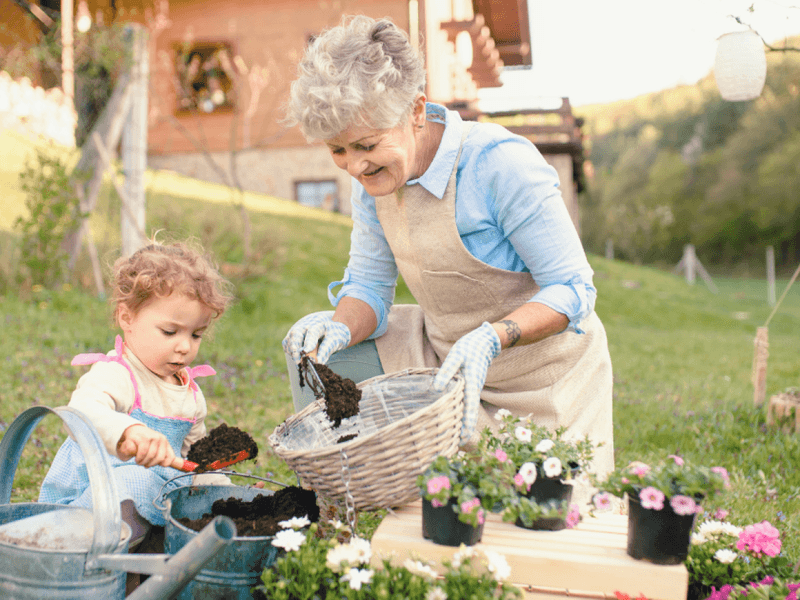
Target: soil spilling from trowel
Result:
[[221, 443], [261, 515], [341, 394]]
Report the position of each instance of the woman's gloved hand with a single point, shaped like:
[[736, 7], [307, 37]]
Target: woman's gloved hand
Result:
[[472, 354], [305, 336]]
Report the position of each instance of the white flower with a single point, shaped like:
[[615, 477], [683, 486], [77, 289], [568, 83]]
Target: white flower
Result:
[[713, 529], [420, 568], [697, 538], [464, 551], [528, 472], [497, 565], [500, 414], [725, 556], [523, 434], [436, 593], [362, 549], [358, 577], [289, 539], [336, 524], [544, 445], [295, 523], [552, 467]]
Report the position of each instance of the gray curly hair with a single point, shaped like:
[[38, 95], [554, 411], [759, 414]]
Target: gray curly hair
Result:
[[362, 72]]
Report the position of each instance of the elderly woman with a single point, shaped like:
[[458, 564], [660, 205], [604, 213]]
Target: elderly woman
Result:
[[472, 217]]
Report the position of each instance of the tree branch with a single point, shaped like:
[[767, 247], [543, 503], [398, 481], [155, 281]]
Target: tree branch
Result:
[[768, 46]]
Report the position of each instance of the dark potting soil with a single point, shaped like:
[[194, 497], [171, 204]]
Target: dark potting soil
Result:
[[341, 394], [260, 516], [221, 443]]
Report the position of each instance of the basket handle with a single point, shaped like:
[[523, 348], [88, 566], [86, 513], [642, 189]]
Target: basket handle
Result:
[[106, 512]]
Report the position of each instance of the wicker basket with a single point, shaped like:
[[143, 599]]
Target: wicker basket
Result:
[[401, 427]]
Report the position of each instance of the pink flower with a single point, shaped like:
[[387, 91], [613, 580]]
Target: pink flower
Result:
[[638, 468], [720, 514], [652, 498], [500, 455], [481, 516], [758, 538], [683, 505], [724, 472], [467, 506], [678, 460], [437, 484], [436, 504], [625, 480], [602, 501], [574, 515], [518, 480]]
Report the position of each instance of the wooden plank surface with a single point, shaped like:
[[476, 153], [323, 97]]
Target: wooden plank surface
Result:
[[589, 560]]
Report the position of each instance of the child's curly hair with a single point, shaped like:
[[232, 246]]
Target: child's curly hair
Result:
[[158, 270]]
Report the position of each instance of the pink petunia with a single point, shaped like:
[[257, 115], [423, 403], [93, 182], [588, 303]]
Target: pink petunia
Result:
[[481, 516], [652, 498], [683, 505], [724, 472], [469, 505], [638, 468], [720, 514], [437, 484], [678, 460], [602, 501], [518, 480], [436, 504], [500, 455], [574, 515]]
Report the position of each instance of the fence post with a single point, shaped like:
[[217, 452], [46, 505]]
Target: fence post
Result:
[[610, 249], [134, 144]]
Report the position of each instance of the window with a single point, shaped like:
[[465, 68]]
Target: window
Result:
[[319, 194], [205, 74]]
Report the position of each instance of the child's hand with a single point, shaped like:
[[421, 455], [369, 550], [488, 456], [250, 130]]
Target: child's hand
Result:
[[148, 446]]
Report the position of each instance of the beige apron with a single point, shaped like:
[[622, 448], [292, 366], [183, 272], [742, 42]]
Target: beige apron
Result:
[[563, 380]]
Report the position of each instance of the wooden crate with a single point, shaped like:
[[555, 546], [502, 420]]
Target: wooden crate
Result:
[[588, 561]]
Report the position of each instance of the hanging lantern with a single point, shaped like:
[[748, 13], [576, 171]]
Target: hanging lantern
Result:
[[740, 66]]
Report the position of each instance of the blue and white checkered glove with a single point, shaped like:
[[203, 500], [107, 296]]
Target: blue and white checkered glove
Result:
[[472, 354], [305, 335]]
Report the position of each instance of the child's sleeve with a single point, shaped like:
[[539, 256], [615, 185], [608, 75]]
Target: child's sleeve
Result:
[[105, 395]]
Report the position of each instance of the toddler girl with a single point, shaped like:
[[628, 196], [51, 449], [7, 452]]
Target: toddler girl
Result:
[[142, 396]]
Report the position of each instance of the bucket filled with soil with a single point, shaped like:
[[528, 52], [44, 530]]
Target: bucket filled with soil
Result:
[[256, 513]]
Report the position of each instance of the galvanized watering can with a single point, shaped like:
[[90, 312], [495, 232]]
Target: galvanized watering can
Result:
[[235, 570], [85, 556]]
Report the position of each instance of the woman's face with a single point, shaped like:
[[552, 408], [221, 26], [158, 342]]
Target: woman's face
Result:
[[382, 160]]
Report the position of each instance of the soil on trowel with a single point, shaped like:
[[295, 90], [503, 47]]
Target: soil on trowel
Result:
[[341, 394], [221, 443], [261, 515]]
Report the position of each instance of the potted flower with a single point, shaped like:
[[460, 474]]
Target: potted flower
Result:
[[537, 466], [456, 493], [663, 501], [722, 554]]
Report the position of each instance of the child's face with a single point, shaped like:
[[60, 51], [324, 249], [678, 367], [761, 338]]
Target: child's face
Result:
[[166, 332]]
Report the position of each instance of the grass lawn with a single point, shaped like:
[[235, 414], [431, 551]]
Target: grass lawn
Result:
[[682, 355]]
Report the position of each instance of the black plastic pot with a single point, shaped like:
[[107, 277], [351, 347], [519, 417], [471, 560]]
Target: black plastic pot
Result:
[[552, 491], [442, 526], [659, 536]]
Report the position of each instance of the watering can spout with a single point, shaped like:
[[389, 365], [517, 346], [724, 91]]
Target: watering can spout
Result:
[[187, 562]]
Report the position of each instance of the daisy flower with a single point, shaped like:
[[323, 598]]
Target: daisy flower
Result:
[[295, 523], [436, 593], [501, 414], [725, 556], [497, 565], [358, 577], [289, 539], [420, 568]]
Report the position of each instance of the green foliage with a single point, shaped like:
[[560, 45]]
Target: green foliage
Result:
[[53, 210], [684, 166], [323, 568]]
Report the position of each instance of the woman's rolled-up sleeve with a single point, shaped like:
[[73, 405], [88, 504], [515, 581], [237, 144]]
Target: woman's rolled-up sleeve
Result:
[[371, 273]]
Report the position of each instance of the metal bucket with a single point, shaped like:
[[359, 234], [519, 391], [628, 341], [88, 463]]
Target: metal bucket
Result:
[[32, 573], [238, 567]]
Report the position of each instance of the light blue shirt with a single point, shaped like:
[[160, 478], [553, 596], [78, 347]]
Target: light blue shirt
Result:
[[509, 214]]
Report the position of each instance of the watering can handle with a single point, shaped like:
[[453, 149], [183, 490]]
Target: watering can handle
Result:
[[160, 497], [105, 498]]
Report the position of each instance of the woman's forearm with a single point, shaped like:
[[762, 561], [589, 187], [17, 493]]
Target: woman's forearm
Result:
[[358, 316], [530, 323]]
